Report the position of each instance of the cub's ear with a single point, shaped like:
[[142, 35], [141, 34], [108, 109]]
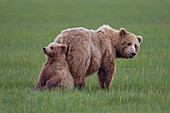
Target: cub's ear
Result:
[[122, 32], [139, 38], [63, 48]]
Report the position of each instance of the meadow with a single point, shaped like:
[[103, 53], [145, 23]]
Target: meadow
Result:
[[140, 85]]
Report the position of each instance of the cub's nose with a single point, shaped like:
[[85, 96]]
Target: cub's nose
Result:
[[44, 49], [133, 53]]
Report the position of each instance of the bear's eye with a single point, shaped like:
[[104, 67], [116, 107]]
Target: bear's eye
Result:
[[51, 47], [135, 46], [129, 44]]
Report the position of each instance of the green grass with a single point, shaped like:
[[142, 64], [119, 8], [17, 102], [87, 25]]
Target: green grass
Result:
[[139, 85]]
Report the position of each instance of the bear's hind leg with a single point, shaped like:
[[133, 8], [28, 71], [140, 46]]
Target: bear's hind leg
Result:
[[80, 82], [78, 65]]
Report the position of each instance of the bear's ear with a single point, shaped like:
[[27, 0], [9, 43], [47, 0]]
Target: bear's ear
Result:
[[122, 32], [63, 48], [139, 38]]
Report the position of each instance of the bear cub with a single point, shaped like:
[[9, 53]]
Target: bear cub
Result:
[[55, 72]]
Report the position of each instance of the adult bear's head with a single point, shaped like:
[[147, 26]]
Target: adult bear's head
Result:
[[129, 45]]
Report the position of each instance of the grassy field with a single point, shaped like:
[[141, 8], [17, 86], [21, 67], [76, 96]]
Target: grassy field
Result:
[[139, 85]]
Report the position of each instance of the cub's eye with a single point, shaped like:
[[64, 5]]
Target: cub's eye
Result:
[[51, 47], [135, 46], [129, 44]]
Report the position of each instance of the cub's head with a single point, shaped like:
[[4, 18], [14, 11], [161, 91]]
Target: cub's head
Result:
[[55, 49], [130, 44]]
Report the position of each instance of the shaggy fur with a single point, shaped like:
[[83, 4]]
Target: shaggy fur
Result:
[[90, 51], [55, 70]]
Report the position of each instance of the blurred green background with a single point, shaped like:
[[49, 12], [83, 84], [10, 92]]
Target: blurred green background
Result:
[[139, 85]]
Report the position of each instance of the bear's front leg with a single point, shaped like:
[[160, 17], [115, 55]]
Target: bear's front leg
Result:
[[105, 76], [109, 76], [106, 70], [101, 77]]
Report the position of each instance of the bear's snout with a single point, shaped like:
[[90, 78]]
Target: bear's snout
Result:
[[44, 49], [132, 54]]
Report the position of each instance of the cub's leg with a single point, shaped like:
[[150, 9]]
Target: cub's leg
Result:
[[52, 82], [41, 82]]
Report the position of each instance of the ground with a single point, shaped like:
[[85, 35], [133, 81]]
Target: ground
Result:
[[141, 84]]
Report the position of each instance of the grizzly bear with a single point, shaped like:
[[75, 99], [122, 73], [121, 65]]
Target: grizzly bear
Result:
[[55, 70], [96, 50]]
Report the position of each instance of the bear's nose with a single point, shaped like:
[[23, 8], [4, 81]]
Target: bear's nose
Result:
[[43, 49], [133, 53]]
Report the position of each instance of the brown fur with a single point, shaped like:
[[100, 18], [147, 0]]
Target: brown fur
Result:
[[90, 51], [55, 70]]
